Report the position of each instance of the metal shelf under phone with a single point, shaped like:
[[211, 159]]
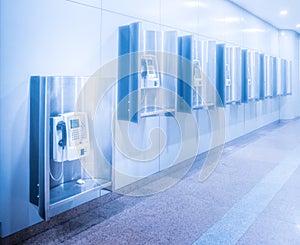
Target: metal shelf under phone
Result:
[[67, 190], [233, 102], [65, 203], [150, 88], [202, 106], [157, 112]]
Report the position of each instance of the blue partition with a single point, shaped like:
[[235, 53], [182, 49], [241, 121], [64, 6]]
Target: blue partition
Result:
[[274, 81], [210, 60], [128, 78], [244, 76], [135, 29], [184, 80], [262, 77], [256, 76], [284, 76], [220, 75], [124, 72]]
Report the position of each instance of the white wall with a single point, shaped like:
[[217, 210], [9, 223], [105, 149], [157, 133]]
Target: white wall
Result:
[[37, 37], [59, 37], [289, 50]]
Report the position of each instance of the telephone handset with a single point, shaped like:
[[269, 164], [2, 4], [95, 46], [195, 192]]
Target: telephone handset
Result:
[[249, 77], [227, 76], [249, 73], [197, 74], [149, 72], [70, 136], [62, 126]]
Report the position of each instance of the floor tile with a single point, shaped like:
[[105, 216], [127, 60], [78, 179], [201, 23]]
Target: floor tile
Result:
[[187, 209], [270, 231]]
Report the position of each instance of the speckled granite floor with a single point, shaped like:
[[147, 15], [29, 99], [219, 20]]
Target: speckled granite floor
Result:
[[191, 211]]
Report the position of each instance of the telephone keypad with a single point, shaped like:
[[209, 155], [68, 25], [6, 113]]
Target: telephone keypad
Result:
[[75, 135]]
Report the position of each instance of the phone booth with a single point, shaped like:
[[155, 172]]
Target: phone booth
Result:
[[269, 71], [229, 74], [200, 56], [65, 170], [146, 99], [250, 75], [146, 76], [286, 75]]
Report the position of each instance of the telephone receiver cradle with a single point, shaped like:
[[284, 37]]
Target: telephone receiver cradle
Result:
[[70, 136]]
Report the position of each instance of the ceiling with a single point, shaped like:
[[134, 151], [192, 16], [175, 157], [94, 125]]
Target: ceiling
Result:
[[269, 10]]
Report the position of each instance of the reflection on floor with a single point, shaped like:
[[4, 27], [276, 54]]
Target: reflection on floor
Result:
[[252, 197]]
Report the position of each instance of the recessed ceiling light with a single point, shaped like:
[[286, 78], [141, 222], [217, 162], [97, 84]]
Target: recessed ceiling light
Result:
[[298, 26], [195, 4], [283, 12], [253, 30], [230, 19]]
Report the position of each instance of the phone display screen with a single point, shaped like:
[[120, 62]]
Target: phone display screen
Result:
[[74, 123], [150, 62]]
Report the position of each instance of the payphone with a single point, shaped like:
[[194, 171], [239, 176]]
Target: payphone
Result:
[[229, 75], [70, 136], [149, 72], [203, 73], [251, 75], [198, 92]]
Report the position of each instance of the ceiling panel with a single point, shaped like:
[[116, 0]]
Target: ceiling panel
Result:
[[269, 10]]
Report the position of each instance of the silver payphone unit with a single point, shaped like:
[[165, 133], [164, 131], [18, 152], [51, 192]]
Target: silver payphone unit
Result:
[[149, 72], [70, 136]]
